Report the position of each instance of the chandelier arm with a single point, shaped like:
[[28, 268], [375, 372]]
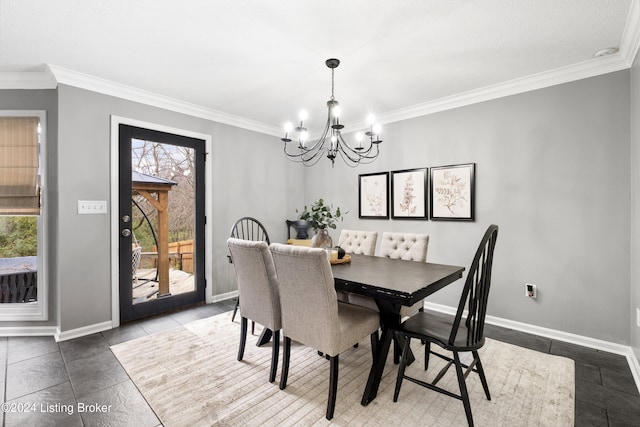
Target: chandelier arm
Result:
[[362, 153], [316, 155], [325, 132], [352, 163], [366, 159], [304, 156], [316, 148], [343, 153], [312, 163], [320, 142], [298, 158], [359, 153]]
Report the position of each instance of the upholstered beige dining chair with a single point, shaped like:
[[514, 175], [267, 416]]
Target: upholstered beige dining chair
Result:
[[406, 246], [311, 314], [258, 289], [358, 242], [409, 247]]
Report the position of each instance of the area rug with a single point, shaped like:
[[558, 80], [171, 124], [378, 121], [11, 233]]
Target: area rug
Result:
[[190, 377]]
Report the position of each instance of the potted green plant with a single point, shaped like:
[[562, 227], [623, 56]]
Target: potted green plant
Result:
[[321, 217]]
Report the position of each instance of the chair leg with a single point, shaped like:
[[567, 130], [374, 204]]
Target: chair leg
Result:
[[403, 365], [396, 352], [243, 337], [253, 327], [285, 363], [427, 352], [483, 379], [333, 386], [374, 344], [275, 349], [235, 309], [463, 388]]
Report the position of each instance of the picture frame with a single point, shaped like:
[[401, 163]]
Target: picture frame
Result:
[[452, 193], [409, 194], [373, 195]]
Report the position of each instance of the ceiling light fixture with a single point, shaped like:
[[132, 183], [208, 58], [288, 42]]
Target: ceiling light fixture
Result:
[[331, 141]]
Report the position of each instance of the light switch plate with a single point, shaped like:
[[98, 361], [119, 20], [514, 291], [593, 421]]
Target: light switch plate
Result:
[[92, 207]]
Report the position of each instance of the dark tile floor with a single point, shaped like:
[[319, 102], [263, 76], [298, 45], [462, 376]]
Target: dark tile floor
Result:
[[606, 394], [81, 383]]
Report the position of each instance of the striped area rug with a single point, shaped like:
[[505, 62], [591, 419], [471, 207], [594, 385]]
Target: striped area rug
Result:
[[190, 377]]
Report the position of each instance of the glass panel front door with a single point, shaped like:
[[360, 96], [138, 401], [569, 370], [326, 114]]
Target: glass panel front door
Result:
[[161, 221]]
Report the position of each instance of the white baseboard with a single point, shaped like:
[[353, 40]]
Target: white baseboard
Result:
[[85, 330], [81, 332], [634, 365], [28, 331], [593, 343], [54, 331], [225, 296]]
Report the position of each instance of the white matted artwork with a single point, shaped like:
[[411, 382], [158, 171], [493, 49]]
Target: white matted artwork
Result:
[[409, 194], [373, 189], [452, 193]]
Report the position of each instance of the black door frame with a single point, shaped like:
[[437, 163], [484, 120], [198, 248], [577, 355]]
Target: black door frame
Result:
[[202, 144]]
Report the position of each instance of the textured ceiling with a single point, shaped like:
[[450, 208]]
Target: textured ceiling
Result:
[[264, 60]]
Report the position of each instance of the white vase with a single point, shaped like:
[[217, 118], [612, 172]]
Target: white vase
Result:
[[321, 239]]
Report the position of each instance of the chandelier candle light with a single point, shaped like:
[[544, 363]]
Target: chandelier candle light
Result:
[[331, 141]]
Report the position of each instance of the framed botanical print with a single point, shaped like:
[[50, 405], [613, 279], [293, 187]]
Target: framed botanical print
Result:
[[452, 193], [409, 194], [373, 193]]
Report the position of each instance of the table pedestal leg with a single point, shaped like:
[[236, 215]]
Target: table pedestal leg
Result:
[[390, 320], [265, 337], [375, 374]]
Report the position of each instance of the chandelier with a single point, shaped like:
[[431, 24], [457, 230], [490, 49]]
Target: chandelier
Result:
[[331, 143]]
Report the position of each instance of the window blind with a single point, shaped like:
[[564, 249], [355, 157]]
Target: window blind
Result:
[[19, 180]]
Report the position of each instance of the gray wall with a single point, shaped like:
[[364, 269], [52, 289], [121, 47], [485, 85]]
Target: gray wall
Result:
[[552, 170], [250, 177], [42, 100], [635, 205]]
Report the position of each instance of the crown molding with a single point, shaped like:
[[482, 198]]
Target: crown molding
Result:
[[630, 42], [28, 80], [586, 69], [107, 87], [629, 46], [58, 75]]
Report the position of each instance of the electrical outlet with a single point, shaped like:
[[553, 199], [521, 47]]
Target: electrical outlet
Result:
[[638, 317], [92, 207], [530, 290]]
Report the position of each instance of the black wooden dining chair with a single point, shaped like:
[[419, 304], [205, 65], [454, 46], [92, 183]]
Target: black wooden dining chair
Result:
[[458, 334], [247, 228]]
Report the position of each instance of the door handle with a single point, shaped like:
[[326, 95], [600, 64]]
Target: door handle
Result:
[[126, 233]]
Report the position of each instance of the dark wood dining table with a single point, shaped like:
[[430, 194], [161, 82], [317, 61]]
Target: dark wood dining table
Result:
[[391, 283]]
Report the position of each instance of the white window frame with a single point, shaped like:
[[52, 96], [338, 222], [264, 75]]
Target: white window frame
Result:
[[38, 310]]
